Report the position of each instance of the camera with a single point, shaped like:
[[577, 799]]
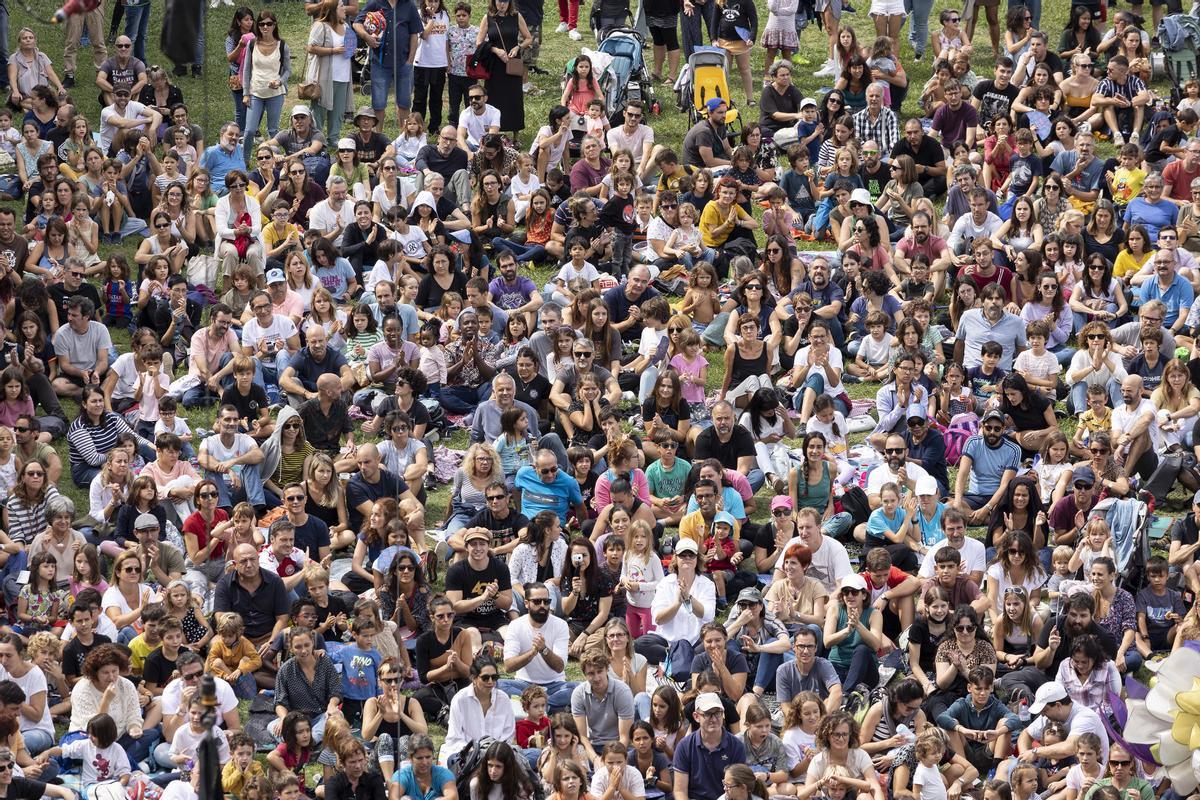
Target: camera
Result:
[[577, 560]]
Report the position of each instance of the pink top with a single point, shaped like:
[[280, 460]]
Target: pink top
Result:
[[693, 393], [77, 586], [637, 479], [579, 98], [10, 410], [162, 478]]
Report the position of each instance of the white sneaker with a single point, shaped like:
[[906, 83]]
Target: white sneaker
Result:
[[574, 34], [1133, 137], [562, 28], [825, 71], [1118, 140]]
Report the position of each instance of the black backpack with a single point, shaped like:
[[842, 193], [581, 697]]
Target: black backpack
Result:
[[472, 756]]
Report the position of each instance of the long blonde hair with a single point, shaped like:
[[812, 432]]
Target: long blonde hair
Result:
[[333, 490]]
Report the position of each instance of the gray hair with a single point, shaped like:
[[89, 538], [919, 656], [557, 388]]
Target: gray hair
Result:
[[336, 180], [229, 125], [778, 65], [59, 505], [503, 377]]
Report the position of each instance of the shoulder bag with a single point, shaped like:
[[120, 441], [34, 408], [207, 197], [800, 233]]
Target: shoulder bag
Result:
[[310, 88]]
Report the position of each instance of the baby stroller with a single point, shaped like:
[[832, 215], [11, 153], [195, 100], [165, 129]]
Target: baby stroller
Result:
[[1179, 35], [626, 77], [701, 79], [1127, 518]]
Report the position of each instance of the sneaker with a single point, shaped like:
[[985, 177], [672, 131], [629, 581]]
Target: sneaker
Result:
[[826, 70], [1133, 137], [574, 34], [197, 70], [562, 28], [779, 485], [69, 80], [1117, 139], [180, 70]]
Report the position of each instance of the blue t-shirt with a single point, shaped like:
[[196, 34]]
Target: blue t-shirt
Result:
[[706, 768], [1024, 169], [731, 501], [891, 305], [879, 523], [814, 147], [988, 464], [403, 22], [408, 782], [1177, 298], [1088, 179], [931, 530], [559, 496], [360, 668], [336, 278], [1152, 215]]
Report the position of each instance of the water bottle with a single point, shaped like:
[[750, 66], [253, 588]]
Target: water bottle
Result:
[[1023, 713]]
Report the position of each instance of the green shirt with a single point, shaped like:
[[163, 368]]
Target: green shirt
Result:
[[663, 483]]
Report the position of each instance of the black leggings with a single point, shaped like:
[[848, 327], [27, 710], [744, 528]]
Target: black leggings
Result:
[[665, 37]]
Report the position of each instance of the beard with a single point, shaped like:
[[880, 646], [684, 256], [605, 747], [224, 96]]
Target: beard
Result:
[[539, 615]]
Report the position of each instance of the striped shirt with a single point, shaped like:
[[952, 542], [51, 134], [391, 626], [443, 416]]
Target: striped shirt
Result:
[[89, 444]]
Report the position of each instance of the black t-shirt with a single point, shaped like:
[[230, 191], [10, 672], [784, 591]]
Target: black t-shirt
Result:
[[60, 295], [372, 149], [311, 536], [308, 370], [471, 582], [740, 444], [446, 166], [76, 651], [1170, 135], [503, 530], [358, 490], [919, 634], [417, 413], [875, 181], [928, 153], [703, 135], [1064, 647], [157, 669], [772, 102], [1185, 530], [994, 101], [429, 648], [669, 415], [25, 789], [249, 406], [1030, 418], [535, 393], [336, 606]]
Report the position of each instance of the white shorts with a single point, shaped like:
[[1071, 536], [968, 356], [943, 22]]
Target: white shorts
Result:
[[887, 8]]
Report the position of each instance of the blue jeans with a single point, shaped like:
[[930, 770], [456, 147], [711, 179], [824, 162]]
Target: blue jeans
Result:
[[756, 479], [641, 706], [464, 399], [1064, 354], [559, 692], [1133, 662], [689, 261], [524, 252], [816, 382], [863, 668], [137, 22], [251, 491], [239, 108], [382, 79], [1079, 395], [838, 525], [82, 474], [768, 664], [918, 31], [245, 687], [139, 749], [37, 741], [272, 107]]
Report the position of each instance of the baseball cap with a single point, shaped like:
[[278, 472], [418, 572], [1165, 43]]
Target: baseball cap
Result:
[[781, 501], [1083, 474], [122, 90], [1047, 693], [346, 144], [275, 276], [708, 701], [926, 485], [992, 414], [749, 595], [861, 196], [917, 411], [853, 581], [687, 545], [714, 103], [808, 102], [145, 521], [726, 517], [301, 110]]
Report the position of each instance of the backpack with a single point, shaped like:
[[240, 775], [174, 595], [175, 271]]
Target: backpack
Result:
[[962, 427]]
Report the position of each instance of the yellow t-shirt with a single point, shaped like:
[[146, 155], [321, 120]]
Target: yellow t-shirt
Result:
[[139, 650], [711, 218], [1127, 183], [272, 238], [1126, 264], [1093, 423]]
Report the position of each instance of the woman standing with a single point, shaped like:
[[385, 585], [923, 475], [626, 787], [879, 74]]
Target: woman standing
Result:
[[1115, 613], [662, 17], [239, 38], [327, 46], [429, 69], [504, 30], [265, 74]]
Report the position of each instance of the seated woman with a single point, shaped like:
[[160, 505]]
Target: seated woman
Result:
[[1020, 510], [93, 433], [478, 710], [1031, 413], [102, 686]]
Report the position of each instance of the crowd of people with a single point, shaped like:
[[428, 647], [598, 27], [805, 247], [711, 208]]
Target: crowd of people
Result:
[[342, 299]]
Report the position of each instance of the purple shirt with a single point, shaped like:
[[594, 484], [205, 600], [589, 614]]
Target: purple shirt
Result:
[[584, 177], [511, 296]]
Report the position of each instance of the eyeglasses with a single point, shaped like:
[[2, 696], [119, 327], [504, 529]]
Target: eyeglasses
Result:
[[389, 680], [840, 735], [491, 677], [538, 601], [965, 628], [296, 498], [260, 307], [894, 451], [208, 495], [665, 206]]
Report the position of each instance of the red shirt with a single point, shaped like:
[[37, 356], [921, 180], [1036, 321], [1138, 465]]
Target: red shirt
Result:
[[726, 549], [1178, 181], [196, 526], [527, 728]]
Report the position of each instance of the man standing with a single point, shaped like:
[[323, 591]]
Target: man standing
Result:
[[94, 20], [602, 707], [927, 152], [989, 461], [81, 347], [730, 444], [702, 757], [392, 55], [989, 324], [255, 593], [230, 459], [536, 650], [876, 121]]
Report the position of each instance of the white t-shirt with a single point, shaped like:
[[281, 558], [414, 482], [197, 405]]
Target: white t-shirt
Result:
[[883, 474], [685, 624], [281, 329], [568, 273], [974, 557], [1045, 366], [834, 442], [414, 242], [544, 132], [114, 599], [323, 218], [995, 574], [930, 781], [631, 782], [242, 444], [835, 361], [1123, 419], [31, 683], [99, 763], [128, 376], [108, 131], [1081, 720], [520, 640], [104, 627], [477, 124], [431, 50], [830, 561], [186, 741], [226, 699], [636, 143]]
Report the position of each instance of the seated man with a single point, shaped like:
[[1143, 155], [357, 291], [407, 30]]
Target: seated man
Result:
[[893, 591], [316, 358], [230, 460], [947, 573], [470, 364], [326, 419], [989, 461], [1069, 515], [1135, 432]]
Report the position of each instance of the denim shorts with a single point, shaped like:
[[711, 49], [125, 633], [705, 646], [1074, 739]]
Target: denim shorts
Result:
[[382, 81]]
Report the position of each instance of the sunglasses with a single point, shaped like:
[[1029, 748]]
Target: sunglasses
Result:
[[195, 676], [668, 205], [491, 677], [208, 495], [297, 498], [1098, 451], [493, 497], [894, 451], [235, 185], [781, 512], [406, 568], [1119, 762], [538, 601], [389, 680], [965, 628], [548, 470], [1083, 487]]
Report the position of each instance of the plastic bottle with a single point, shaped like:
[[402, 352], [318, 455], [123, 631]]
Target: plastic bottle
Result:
[[1023, 713]]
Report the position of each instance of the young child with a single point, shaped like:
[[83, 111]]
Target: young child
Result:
[[1037, 365], [332, 613], [1125, 182], [596, 121], [1096, 542], [523, 185], [985, 378], [160, 665], [432, 362], [232, 657], [742, 170], [167, 174], [884, 60], [926, 778], [118, 295], [721, 555], [835, 784], [150, 639], [1159, 610], [917, 286], [801, 717], [701, 302], [577, 267], [1050, 465], [151, 387], [873, 360], [1023, 782], [100, 757], [887, 524], [618, 215], [186, 742], [779, 218], [1060, 561], [515, 445], [360, 669], [169, 421], [1097, 418], [1089, 768], [40, 600], [534, 730], [641, 570], [998, 151], [115, 208], [684, 243], [242, 768], [184, 149], [295, 751]]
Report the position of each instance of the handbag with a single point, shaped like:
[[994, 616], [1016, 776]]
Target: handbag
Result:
[[475, 65], [514, 66], [310, 87]]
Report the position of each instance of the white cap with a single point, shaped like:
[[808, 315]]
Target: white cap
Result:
[[807, 102], [346, 144], [861, 196], [853, 581], [275, 276], [1047, 693], [301, 110], [926, 485], [708, 701]]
